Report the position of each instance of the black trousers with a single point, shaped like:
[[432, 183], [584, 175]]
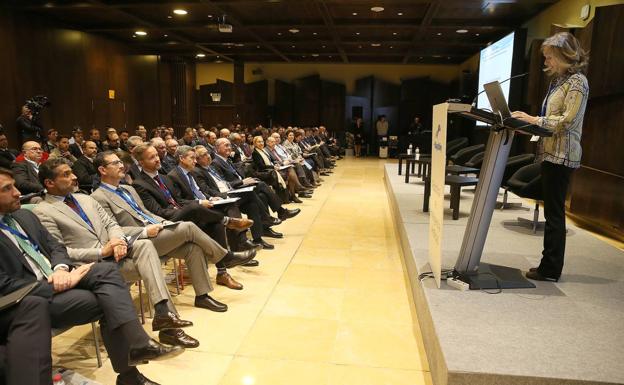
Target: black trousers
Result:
[[25, 330], [555, 181], [209, 220]]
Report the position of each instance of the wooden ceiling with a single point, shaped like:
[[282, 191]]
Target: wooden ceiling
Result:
[[324, 31]]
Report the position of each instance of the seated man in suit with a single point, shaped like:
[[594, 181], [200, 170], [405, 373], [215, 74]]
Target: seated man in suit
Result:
[[66, 296], [76, 142], [209, 179], [226, 170], [167, 163], [62, 150], [91, 235], [7, 155], [26, 179], [184, 240], [188, 188], [83, 167]]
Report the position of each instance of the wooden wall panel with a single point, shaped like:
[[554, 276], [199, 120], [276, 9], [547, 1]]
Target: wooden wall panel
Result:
[[307, 101], [284, 103], [333, 106], [73, 69], [256, 103]]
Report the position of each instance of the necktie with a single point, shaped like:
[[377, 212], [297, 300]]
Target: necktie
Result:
[[28, 248], [128, 198], [74, 205], [167, 193], [196, 192]]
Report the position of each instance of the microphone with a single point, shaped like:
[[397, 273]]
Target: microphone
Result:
[[474, 101], [27, 197]]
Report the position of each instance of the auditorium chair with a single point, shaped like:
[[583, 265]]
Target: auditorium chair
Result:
[[476, 161], [455, 145], [465, 154], [527, 183]]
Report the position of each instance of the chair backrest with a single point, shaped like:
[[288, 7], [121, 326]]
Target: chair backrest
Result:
[[526, 182], [476, 161], [465, 154], [454, 145], [514, 163]]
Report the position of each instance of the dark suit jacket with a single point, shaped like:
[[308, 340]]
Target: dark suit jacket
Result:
[[85, 171], [26, 179], [205, 181], [75, 149], [15, 272], [236, 158], [181, 184], [258, 161], [167, 164], [154, 199], [230, 174], [28, 129], [7, 157]]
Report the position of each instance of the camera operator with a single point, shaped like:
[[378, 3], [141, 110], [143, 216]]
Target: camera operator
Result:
[[28, 126]]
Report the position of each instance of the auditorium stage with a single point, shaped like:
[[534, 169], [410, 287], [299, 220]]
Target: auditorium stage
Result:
[[571, 332]]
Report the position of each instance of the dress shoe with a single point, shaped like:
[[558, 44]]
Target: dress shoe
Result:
[[269, 232], [248, 245], [152, 351], [273, 222], [324, 173], [177, 337], [252, 263], [168, 321], [225, 279], [236, 258], [134, 379], [533, 269], [536, 276], [239, 224], [304, 195], [207, 302], [286, 213], [266, 246], [294, 199]]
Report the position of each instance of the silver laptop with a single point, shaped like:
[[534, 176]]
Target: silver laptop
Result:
[[497, 100]]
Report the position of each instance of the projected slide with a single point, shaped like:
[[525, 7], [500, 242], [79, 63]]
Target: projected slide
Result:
[[495, 64]]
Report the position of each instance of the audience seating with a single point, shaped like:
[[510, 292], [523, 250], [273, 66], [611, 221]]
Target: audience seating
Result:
[[476, 161], [455, 145], [527, 183], [96, 341], [465, 154]]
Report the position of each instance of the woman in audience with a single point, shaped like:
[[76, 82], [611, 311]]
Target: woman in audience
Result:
[[286, 168], [562, 112], [266, 170]]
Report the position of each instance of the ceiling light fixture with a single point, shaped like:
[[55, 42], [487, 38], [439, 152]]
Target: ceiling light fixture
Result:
[[439, 33], [180, 12], [201, 55], [315, 55], [140, 33], [377, 9], [293, 30], [391, 47], [314, 33], [354, 13], [399, 13], [394, 33], [476, 34], [279, 34], [357, 33], [462, 31], [169, 17], [375, 45], [324, 46], [210, 16], [292, 46], [166, 35]]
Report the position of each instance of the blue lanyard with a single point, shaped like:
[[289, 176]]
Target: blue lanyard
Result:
[[19, 234], [163, 187], [81, 212], [129, 200]]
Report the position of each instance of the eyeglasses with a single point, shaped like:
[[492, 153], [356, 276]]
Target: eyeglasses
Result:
[[114, 163], [36, 149]]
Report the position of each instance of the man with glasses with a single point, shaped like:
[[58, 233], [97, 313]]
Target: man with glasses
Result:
[[26, 172]]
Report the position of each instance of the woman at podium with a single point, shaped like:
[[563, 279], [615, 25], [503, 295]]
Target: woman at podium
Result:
[[562, 112]]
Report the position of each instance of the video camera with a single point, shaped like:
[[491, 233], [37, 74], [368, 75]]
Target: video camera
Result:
[[37, 103]]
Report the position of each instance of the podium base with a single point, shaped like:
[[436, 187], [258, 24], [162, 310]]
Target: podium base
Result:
[[490, 277]]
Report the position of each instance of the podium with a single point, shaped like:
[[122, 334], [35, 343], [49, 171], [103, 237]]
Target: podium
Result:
[[469, 267]]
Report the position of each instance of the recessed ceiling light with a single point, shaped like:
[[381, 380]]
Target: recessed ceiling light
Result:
[[394, 33], [357, 33], [279, 34], [437, 56], [180, 11], [201, 55], [292, 46], [209, 15], [257, 46], [330, 56], [166, 35], [315, 55], [399, 13], [324, 46], [354, 13], [391, 47], [377, 9], [140, 33], [462, 31], [303, 56], [169, 17], [359, 46], [293, 30], [375, 45], [439, 33], [314, 33], [448, 57], [476, 34]]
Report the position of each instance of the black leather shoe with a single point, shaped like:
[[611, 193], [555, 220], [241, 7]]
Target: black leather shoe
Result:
[[248, 245], [252, 263], [273, 222], [210, 303], [169, 321], [536, 276], [134, 379], [265, 245], [294, 199], [304, 195], [533, 269], [236, 258], [153, 351], [286, 213], [177, 337], [269, 232]]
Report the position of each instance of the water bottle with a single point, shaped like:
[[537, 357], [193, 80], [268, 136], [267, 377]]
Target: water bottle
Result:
[[57, 379], [409, 150], [417, 153]]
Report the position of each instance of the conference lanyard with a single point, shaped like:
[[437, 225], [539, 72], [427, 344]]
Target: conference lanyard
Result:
[[19, 234], [131, 202], [79, 211]]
